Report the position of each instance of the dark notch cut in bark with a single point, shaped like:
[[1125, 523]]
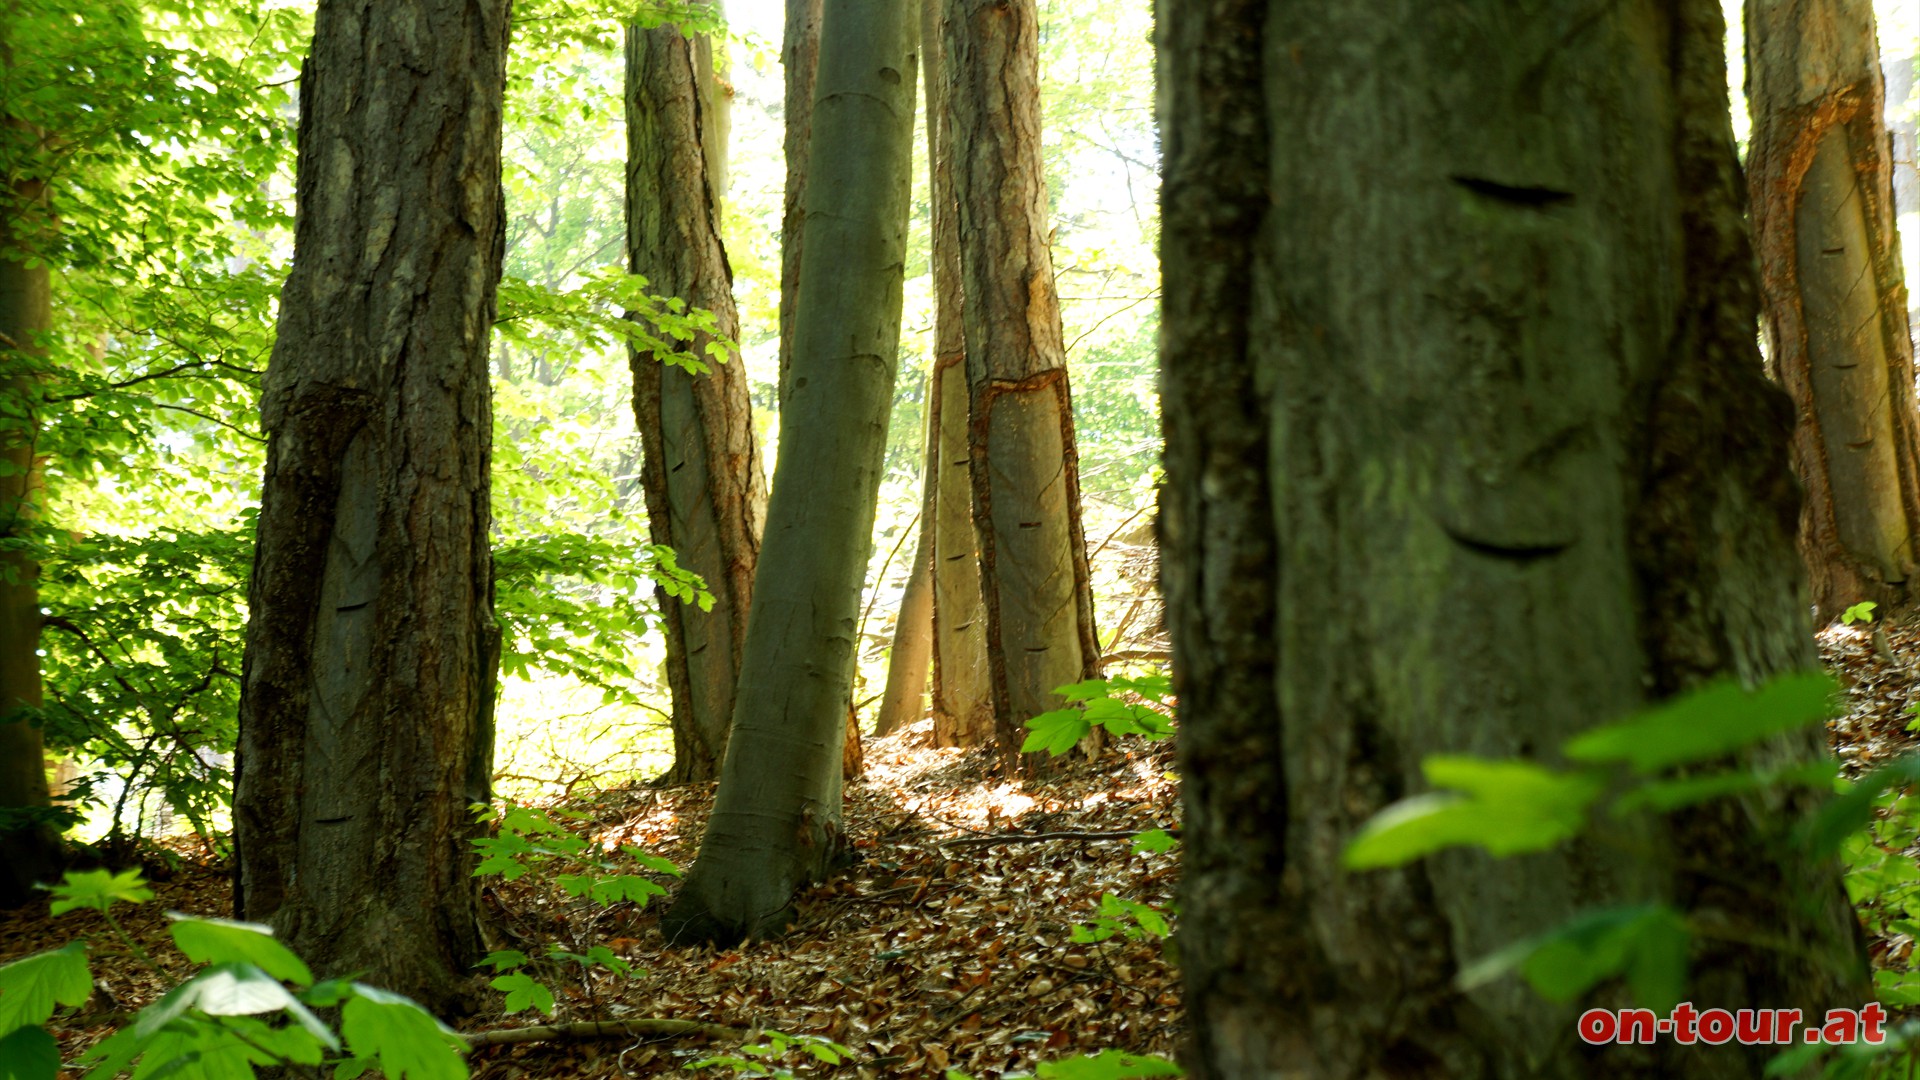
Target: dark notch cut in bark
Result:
[[699, 468], [776, 819], [1360, 366], [1836, 321], [366, 710], [28, 854], [1026, 486]]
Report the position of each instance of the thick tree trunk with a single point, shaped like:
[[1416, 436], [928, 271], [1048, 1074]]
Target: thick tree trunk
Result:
[[365, 717], [28, 853], [904, 699], [1836, 316], [1026, 480], [800, 56], [700, 471], [1468, 449], [962, 689], [776, 819]]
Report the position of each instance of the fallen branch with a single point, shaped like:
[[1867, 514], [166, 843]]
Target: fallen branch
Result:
[[602, 1029], [1035, 838]]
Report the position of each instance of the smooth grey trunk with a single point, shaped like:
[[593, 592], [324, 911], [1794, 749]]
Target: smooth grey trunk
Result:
[[1468, 449], [29, 853], [366, 708], [699, 469], [776, 818], [1034, 582], [1820, 169], [962, 690], [800, 57]]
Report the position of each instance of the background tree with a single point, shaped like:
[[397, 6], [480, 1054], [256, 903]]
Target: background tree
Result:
[[700, 470], [1819, 166], [800, 61], [1026, 490], [1503, 392], [368, 683], [776, 819]]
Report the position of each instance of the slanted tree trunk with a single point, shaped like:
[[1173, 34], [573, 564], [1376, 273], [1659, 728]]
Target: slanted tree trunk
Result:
[[365, 714], [903, 700], [1836, 318], [1468, 448], [700, 471], [800, 56], [1026, 480], [776, 819], [29, 852], [962, 690]]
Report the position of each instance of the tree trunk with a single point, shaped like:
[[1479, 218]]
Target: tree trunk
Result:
[[1026, 481], [366, 710], [800, 56], [904, 698], [700, 471], [776, 818], [1468, 449], [962, 690], [29, 852], [1836, 317]]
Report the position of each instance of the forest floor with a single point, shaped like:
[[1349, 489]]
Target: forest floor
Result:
[[948, 945]]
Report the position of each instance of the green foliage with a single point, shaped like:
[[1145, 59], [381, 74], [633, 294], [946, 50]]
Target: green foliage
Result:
[[1647, 943], [1128, 918], [761, 1056], [1105, 1065], [1860, 612], [1098, 702], [211, 1025], [1507, 807]]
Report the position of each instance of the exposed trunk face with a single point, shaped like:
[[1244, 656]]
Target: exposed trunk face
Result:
[[1026, 487], [365, 718], [962, 690], [1836, 316], [776, 819], [1466, 454], [800, 57], [700, 470], [27, 855]]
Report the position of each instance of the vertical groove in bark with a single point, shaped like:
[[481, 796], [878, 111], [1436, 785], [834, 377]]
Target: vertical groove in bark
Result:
[[1462, 456], [1836, 317], [1026, 486], [371, 640], [800, 56], [28, 854], [700, 470], [962, 695], [776, 817]]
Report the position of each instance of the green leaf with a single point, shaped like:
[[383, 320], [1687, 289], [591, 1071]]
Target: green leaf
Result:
[[1665, 795], [651, 861], [1850, 812], [223, 941], [612, 890], [221, 990], [1108, 1065], [1708, 723], [1647, 943], [502, 959], [1055, 731], [404, 1038], [523, 993], [1860, 612], [29, 1054], [99, 890], [1154, 841], [1083, 691], [30, 987], [1506, 807]]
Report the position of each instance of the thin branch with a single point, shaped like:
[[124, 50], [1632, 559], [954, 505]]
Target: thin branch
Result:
[[1036, 838], [604, 1029], [236, 429]]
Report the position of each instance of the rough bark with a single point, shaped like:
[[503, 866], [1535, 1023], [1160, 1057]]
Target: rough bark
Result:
[[962, 690], [1034, 584], [1836, 319], [365, 715], [28, 853], [1464, 454], [800, 56], [776, 818], [699, 470]]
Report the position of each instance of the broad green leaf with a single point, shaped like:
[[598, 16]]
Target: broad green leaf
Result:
[[99, 890], [1647, 943], [650, 861], [612, 890], [1083, 691], [523, 993], [223, 941], [30, 1053], [1665, 795], [1508, 807], [405, 1039], [1154, 841], [1108, 1065], [502, 959], [1849, 813], [1708, 723], [31, 987], [1055, 731]]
